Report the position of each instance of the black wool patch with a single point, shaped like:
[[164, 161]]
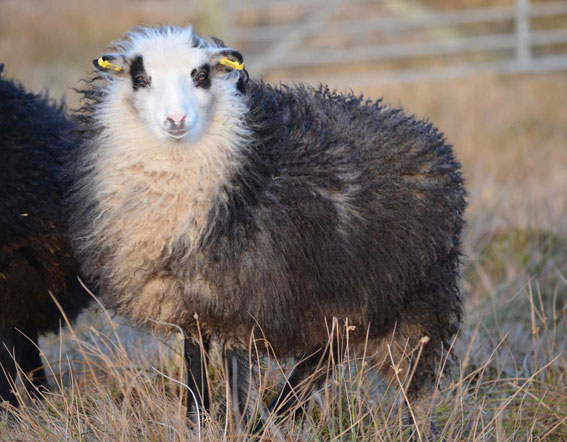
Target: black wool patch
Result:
[[136, 69], [205, 83]]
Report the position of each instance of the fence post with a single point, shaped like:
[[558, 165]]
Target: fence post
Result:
[[523, 47]]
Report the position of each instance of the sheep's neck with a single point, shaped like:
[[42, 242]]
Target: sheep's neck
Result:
[[163, 195]]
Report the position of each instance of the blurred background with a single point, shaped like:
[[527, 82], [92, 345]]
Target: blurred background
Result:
[[491, 74], [358, 44]]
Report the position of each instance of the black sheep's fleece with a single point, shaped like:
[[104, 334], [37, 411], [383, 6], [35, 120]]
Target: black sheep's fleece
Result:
[[35, 253]]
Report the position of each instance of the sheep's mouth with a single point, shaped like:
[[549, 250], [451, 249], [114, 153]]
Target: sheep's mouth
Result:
[[177, 133]]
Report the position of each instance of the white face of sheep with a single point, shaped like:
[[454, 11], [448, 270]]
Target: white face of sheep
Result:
[[172, 86]]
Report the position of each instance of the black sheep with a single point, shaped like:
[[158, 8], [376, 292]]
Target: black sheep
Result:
[[35, 252], [264, 210]]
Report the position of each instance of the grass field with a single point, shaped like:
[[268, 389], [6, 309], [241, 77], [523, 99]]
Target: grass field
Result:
[[113, 382]]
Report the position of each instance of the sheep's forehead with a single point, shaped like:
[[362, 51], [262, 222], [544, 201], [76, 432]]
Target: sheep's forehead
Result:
[[169, 53], [173, 59]]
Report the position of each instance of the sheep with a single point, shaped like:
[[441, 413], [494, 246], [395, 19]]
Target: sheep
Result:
[[238, 210], [35, 252]]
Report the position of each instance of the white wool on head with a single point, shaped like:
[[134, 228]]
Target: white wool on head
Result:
[[169, 55]]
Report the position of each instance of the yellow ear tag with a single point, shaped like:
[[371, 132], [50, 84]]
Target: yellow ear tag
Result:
[[108, 65], [232, 64]]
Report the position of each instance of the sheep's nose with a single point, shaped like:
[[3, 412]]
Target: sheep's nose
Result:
[[176, 120]]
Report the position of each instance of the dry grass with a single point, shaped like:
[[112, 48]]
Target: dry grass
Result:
[[497, 392], [511, 380]]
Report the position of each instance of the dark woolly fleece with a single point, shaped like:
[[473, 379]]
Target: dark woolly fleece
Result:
[[277, 251], [35, 254], [340, 208]]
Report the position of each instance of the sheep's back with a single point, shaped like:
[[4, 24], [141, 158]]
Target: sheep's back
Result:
[[341, 208]]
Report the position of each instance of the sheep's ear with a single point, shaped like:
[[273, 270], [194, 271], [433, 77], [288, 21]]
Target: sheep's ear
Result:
[[227, 60], [230, 63], [111, 63]]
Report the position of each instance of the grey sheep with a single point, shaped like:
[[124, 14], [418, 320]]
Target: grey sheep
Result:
[[246, 209]]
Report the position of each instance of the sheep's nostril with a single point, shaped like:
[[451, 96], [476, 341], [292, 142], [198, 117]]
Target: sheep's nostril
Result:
[[176, 120]]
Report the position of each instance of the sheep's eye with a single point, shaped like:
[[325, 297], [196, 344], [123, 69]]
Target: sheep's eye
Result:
[[141, 81], [202, 76]]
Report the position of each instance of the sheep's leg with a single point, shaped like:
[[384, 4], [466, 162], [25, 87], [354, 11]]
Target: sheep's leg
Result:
[[19, 349], [410, 362], [291, 391], [195, 361], [243, 385], [8, 369], [31, 364]]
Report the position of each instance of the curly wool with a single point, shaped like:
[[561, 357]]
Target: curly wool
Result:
[[332, 207]]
